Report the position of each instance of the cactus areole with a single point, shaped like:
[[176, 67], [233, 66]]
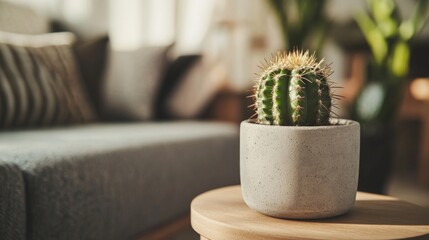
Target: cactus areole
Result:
[[293, 90]]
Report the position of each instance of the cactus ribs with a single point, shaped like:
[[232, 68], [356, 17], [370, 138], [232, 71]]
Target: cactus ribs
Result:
[[293, 90]]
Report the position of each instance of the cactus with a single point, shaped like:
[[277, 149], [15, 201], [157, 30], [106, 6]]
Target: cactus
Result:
[[293, 89]]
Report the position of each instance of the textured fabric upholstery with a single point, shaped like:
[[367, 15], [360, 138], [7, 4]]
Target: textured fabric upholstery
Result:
[[12, 202], [111, 181]]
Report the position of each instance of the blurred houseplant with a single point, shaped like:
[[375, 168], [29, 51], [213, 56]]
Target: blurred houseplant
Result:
[[389, 38], [303, 23]]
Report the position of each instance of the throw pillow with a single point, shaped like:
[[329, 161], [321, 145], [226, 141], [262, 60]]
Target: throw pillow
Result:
[[91, 57], [171, 79], [132, 82], [39, 81], [199, 86]]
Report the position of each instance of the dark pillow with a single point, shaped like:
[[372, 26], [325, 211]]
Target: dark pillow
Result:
[[39, 82], [91, 57], [171, 79]]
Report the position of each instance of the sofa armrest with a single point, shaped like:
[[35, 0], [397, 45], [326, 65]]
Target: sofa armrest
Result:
[[12, 202]]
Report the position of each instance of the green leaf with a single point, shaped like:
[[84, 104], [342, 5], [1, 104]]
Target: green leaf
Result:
[[373, 36], [406, 30], [382, 10], [399, 62], [385, 16], [389, 28], [409, 28]]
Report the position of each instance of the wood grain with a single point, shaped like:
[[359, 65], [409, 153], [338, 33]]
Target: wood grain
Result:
[[167, 231], [222, 214]]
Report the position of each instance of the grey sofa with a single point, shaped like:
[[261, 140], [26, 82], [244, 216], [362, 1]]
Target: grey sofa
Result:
[[104, 180], [109, 181]]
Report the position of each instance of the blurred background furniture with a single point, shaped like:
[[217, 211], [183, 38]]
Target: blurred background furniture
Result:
[[418, 110]]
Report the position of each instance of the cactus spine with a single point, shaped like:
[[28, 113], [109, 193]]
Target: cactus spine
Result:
[[293, 89]]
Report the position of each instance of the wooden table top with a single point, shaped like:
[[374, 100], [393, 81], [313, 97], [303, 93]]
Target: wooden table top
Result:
[[221, 214]]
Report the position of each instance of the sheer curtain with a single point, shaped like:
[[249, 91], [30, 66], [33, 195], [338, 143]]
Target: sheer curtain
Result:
[[136, 23], [238, 33]]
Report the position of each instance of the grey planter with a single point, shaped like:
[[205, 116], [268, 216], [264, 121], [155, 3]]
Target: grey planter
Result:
[[300, 172]]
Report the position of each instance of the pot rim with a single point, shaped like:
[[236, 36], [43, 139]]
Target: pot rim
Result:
[[336, 123]]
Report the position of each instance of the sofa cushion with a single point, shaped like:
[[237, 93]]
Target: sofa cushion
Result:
[[131, 82], [12, 202], [112, 181]]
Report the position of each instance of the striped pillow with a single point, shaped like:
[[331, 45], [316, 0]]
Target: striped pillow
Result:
[[39, 82]]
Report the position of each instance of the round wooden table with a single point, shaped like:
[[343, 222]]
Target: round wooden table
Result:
[[221, 214]]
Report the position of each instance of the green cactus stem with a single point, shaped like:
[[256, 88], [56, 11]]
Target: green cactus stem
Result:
[[293, 89]]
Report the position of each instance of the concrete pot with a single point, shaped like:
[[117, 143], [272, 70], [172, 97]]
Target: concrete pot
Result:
[[300, 172]]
